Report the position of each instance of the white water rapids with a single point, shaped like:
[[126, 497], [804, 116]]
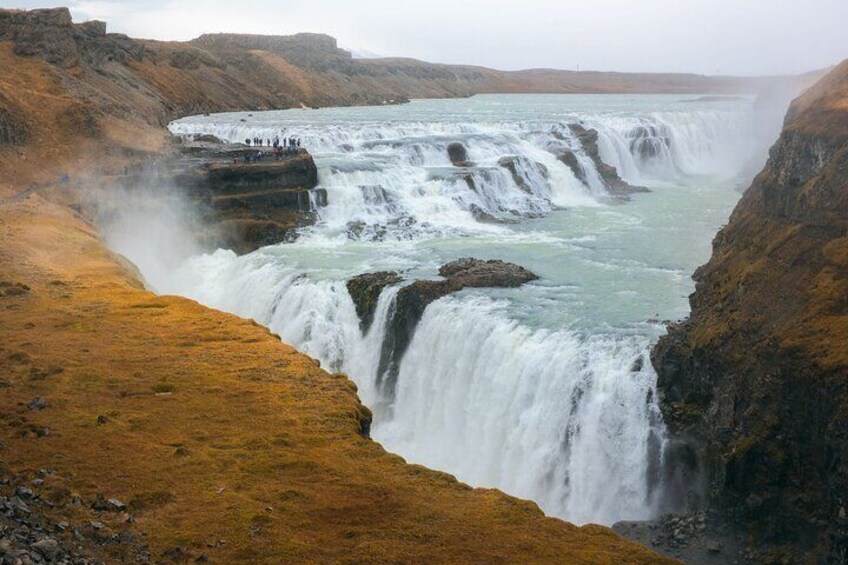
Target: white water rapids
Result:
[[545, 391]]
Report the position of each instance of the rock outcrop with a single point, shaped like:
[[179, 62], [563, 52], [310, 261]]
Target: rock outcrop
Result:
[[251, 205], [413, 299], [365, 290], [13, 130], [615, 185], [510, 163], [458, 155], [754, 385], [52, 35]]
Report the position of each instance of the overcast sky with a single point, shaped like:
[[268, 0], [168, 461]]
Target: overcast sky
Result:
[[702, 36]]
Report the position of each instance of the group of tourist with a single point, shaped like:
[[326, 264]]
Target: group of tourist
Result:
[[281, 148]]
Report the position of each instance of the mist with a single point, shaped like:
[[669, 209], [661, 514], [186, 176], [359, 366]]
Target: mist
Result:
[[151, 223]]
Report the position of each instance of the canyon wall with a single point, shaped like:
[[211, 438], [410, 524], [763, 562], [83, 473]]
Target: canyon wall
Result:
[[754, 383]]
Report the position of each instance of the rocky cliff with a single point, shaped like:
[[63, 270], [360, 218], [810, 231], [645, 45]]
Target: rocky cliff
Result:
[[754, 384], [248, 205]]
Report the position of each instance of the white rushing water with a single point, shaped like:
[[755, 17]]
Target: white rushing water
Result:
[[544, 391]]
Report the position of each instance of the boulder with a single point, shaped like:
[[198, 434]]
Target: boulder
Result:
[[458, 155]]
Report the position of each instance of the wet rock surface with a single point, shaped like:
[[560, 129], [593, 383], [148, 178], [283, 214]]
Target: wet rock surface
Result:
[[699, 538], [458, 155], [413, 299], [365, 290], [615, 185], [510, 163]]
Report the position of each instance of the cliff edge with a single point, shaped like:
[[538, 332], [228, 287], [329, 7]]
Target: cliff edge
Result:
[[754, 383]]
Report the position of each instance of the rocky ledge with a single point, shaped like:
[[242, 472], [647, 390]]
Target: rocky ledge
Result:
[[413, 299], [259, 204], [366, 290], [243, 203]]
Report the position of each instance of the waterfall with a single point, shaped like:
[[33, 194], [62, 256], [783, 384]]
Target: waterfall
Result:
[[395, 180], [564, 419], [555, 417], [546, 391]]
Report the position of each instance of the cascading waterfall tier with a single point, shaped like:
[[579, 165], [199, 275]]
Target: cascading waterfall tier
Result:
[[396, 180], [543, 391]]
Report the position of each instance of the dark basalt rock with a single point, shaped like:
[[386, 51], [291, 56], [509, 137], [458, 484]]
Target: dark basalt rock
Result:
[[365, 291], [52, 35], [413, 299], [13, 130], [458, 155], [648, 142], [568, 158], [249, 205]]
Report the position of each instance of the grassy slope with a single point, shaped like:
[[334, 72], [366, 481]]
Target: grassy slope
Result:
[[211, 421]]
